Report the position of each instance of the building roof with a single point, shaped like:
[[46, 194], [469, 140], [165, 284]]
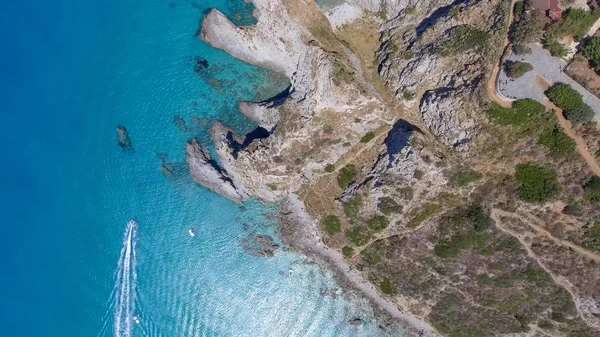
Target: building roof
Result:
[[545, 5]]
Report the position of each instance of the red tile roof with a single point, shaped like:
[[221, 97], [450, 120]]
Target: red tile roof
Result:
[[545, 5]]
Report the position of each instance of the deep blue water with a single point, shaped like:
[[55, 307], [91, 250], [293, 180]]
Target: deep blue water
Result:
[[71, 72]]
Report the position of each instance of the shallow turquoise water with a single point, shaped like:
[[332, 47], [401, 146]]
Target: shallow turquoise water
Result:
[[73, 71]]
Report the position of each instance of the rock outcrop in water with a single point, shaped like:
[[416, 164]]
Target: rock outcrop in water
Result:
[[207, 174], [123, 139]]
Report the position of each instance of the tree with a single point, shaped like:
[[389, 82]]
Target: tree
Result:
[[564, 96], [592, 190], [332, 224], [537, 184], [556, 48], [592, 49], [525, 31], [516, 69], [580, 114], [521, 49], [558, 142], [346, 175]]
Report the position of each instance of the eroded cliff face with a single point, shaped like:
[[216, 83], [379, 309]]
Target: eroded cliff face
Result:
[[385, 131]]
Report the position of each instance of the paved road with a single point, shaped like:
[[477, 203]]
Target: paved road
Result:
[[546, 66]]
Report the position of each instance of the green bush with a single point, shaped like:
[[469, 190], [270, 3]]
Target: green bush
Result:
[[518, 9], [467, 229], [407, 95], [525, 31], [517, 69], [592, 190], [425, 212], [558, 142], [332, 224], [346, 175], [367, 137], [359, 236], [273, 187], [521, 49], [580, 114], [378, 223], [329, 168], [389, 206], [352, 207], [522, 110], [347, 251], [465, 38], [387, 287], [406, 193], [419, 174], [465, 178], [564, 96], [537, 184], [591, 50], [556, 48]]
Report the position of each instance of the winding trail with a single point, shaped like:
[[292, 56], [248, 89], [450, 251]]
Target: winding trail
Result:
[[495, 215]]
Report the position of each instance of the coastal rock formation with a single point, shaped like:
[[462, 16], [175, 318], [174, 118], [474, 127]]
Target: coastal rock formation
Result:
[[260, 245], [206, 173]]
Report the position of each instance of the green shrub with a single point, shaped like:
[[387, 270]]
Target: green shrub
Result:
[[332, 224], [516, 69], [426, 211], [418, 174], [575, 21], [329, 168], [352, 207], [367, 137], [592, 190], [518, 9], [521, 49], [465, 38], [556, 48], [522, 110], [378, 223], [273, 187], [558, 142], [387, 287], [465, 178], [406, 193], [525, 31], [347, 251], [564, 96], [467, 229], [359, 236], [407, 95], [537, 184], [580, 114], [388, 206], [591, 50], [346, 176], [592, 238]]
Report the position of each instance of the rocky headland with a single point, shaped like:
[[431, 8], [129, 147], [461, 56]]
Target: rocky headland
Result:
[[388, 169]]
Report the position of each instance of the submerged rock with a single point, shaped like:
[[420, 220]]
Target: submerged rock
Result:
[[123, 139], [356, 322], [260, 245]]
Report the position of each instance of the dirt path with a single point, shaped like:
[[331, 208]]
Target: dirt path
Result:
[[522, 239], [491, 85], [567, 128], [537, 223]]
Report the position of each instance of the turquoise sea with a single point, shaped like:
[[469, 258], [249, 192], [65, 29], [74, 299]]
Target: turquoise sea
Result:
[[71, 72]]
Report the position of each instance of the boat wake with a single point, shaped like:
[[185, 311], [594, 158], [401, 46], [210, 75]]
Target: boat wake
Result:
[[125, 285], [123, 298]]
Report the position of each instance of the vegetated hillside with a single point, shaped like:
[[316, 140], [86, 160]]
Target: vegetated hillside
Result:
[[468, 217]]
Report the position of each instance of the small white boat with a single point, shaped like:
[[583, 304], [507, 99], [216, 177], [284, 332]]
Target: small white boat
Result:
[[136, 319], [191, 232]]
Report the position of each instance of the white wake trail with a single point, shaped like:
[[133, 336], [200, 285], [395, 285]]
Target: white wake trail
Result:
[[125, 284]]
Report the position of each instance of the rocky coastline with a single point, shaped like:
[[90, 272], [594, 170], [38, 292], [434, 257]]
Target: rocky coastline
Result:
[[281, 44]]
